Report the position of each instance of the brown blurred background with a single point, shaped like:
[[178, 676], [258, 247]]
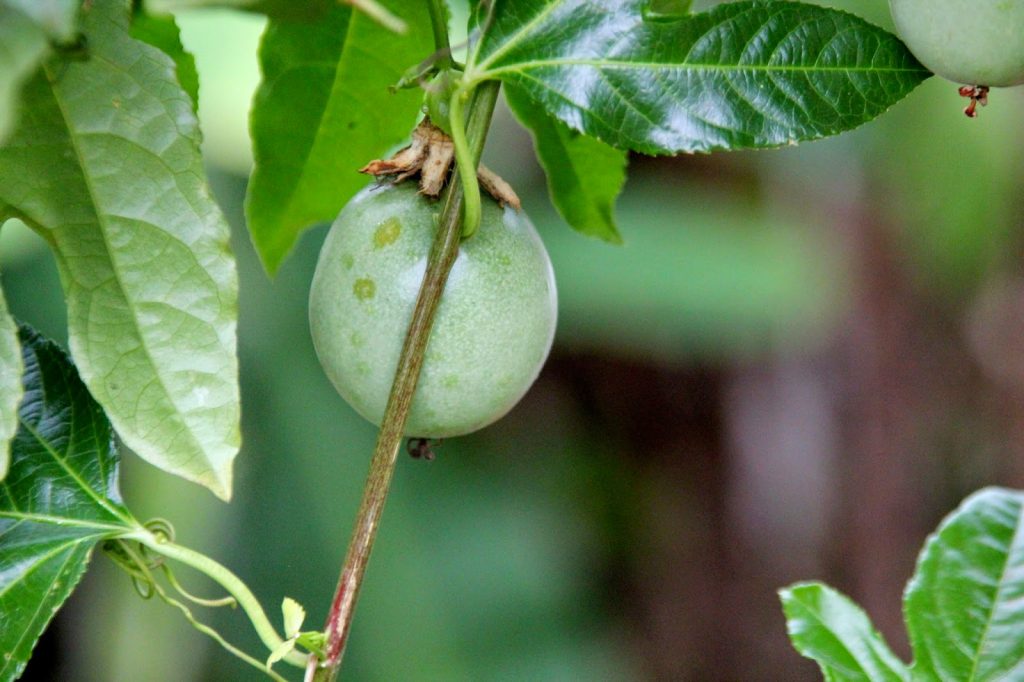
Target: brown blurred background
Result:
[[797, 364]]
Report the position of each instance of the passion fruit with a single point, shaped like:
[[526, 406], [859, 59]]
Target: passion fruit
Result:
[[492, 332], [974, 42]]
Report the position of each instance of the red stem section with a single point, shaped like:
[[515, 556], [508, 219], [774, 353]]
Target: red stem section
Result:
[[443, 253]]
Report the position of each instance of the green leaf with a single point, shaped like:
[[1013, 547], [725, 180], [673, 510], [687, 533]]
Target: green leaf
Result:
[[965, 605], [742, 75], [162, 32], [323, 111], [10, 383], [283, 649], [829, 628], [297, 10], [26, 28], [294, 615], [105, 164], [666, 10], [584, 175], [59, 499], [57, 18]]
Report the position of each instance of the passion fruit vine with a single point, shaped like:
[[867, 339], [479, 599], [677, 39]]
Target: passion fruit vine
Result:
[[492, 332]]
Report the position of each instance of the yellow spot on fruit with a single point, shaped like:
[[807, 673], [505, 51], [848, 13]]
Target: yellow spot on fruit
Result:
[[364, 289], [387, 233]]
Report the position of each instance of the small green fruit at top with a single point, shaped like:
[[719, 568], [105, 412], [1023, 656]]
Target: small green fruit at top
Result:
[[974, 42], [492, 331]]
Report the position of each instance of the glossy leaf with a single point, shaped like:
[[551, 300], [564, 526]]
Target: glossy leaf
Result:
[[10, 383], [829, 628], [105, 164], [584, 175], [26, 29], [744, 74], [161, 31], [59, 499], [965, 604], [324, 110]]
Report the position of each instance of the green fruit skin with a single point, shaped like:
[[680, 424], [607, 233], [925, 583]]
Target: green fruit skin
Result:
[[974, 42], [493, 328]]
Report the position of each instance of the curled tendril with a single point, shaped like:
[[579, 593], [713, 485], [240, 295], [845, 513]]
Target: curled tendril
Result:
[[162, 528]]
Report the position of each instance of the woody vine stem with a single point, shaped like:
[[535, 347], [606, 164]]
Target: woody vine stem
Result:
[[443, 253]]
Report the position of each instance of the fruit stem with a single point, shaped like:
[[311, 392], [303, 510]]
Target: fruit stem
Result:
[[443, 253]]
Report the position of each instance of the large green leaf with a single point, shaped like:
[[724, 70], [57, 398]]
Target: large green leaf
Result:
[[161, 31], [965, 604], [26, 29], [745, 74], [827, 627], [322, 111], [10, 383], [584, 175], [59, 499], [105, 164]]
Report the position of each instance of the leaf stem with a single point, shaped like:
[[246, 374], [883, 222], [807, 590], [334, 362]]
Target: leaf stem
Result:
[[439, 22], [145, 574], [466, 162], [226, 579], [443, 253]]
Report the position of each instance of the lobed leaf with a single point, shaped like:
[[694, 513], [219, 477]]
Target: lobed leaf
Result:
[[584, 175], [105, 164], [59, 499], [826, 626], [322, 111], [759, 73], [10, 383], [965, 605]]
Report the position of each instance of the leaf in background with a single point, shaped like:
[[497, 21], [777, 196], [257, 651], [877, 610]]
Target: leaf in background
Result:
[[833, 631], [26, 29], [965, 604], [307, 10], [59, 499], [322, 111], [10, 383], [105, 164], [584, 175], [56, 18], [162, 32], [742, 75]]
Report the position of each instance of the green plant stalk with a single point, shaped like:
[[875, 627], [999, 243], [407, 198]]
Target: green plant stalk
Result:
[[443, 253], [466, 161], [439, 23], [226, 579], [145, 574]]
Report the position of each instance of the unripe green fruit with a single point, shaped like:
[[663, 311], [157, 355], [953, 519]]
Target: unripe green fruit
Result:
[[492, 332], [974, 42]]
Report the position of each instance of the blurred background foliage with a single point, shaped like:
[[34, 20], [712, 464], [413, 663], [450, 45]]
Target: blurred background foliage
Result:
[[798, 362]]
